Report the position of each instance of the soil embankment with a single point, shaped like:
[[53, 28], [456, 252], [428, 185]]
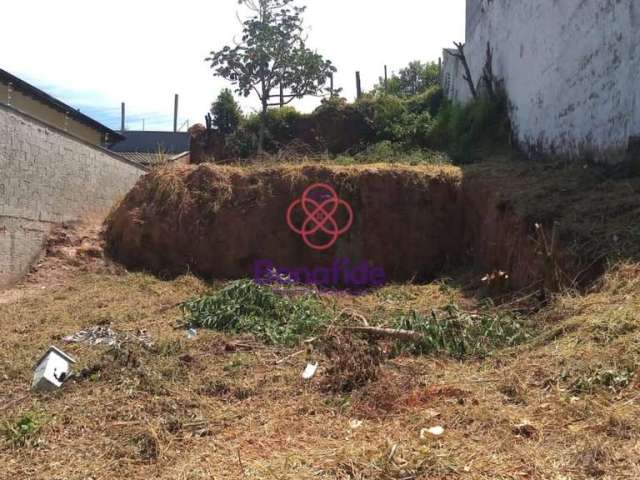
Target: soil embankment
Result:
[[217, 222]]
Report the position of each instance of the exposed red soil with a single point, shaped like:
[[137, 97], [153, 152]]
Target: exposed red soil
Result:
[[70, 248], [412, 221], [216, 222]]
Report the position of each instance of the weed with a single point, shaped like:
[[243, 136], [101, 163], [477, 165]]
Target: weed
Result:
[[245, 306], [216, 388], [460, 334], [469, 133], [23, 431], [613, 379]]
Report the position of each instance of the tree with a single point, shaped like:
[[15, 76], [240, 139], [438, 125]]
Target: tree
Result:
[[226, 113], [272, 54], [412, 80]]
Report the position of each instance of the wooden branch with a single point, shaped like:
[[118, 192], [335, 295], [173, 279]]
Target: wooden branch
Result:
[[461, 56], [379, 332]]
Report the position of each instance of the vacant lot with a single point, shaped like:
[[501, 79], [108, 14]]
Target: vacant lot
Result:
[[528, 384]]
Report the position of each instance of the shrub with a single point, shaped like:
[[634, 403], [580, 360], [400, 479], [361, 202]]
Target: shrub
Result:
[[385, 114], [429, 101], [245, 306], [342, 127], [281, 127], [469, 133], [459, 334], [241, 144]]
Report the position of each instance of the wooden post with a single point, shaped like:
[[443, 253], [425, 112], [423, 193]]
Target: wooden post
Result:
[[281, 96], [358, 85], [386, 80], [175, 113]]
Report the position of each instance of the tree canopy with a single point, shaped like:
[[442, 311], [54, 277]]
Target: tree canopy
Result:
[[226, 113], [415, 78], [272, 55]]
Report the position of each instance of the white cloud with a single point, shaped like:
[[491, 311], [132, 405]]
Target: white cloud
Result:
[[95, 55]]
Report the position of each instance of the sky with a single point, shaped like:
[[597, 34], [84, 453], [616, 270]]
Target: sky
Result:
[[95, 55]]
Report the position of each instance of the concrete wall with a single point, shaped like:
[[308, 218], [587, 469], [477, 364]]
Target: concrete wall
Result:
[[570, 69], [46, 177], [452, 70]]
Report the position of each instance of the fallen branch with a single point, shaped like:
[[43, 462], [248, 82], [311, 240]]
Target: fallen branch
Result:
[[284, 359], [379, 332]]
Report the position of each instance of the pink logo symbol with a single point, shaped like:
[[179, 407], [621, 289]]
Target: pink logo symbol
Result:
[[320, 204]]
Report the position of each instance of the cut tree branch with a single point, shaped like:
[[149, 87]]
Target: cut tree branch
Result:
[[379, 332], [467, 76]]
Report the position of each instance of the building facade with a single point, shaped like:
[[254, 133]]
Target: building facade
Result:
[[569, 69], [41, 106]]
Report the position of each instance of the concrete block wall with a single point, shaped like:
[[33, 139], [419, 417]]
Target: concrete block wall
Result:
[[48, 177], [570, 69]]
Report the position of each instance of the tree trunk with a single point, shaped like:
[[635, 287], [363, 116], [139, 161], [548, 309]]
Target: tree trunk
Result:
[[263, 115], [263, 127]]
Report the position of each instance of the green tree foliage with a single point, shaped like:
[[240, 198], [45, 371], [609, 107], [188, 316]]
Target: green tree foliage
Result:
[[412, 80], [226, 113], [271, 54]]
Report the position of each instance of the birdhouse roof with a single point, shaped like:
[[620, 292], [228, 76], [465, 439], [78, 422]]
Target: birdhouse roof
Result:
[[58, 352]]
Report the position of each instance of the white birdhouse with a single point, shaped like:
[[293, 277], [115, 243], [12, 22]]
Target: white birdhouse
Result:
[[51, 370]]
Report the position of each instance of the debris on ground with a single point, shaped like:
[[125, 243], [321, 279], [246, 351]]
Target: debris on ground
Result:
[[429, 433], [191, 333], [353, 361], [103, 335], [310, 371], [51, 371], [525, 429], [355, 423], [391, 333]]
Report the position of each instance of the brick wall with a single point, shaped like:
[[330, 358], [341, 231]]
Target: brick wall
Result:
[[47, 177]]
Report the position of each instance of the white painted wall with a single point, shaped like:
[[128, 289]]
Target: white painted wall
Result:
[[571, 70]]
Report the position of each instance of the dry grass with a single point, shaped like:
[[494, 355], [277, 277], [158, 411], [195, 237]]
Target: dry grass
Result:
[[206, 408], [563, 406]]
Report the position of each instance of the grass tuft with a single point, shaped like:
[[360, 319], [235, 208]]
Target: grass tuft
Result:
[[23, 431]]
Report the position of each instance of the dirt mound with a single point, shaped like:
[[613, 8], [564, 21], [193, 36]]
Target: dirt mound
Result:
[[411, 221], [219, 221]]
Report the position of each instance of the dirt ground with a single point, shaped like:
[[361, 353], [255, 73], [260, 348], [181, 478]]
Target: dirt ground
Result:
[[563, 405]]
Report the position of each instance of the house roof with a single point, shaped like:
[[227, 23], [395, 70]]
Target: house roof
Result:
[[28, 89], [137, 141]]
